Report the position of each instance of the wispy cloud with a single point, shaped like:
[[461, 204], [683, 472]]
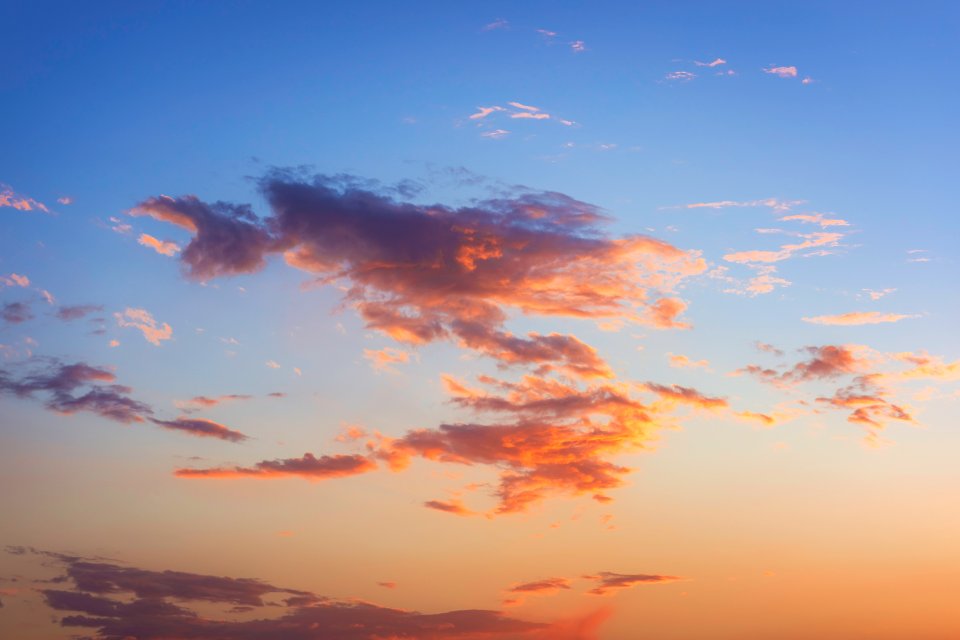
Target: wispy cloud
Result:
[[856, 318], [607, 581], [201, 428], [783, 72], [715, 63], [309, 467], [384, 359], [680, 75]]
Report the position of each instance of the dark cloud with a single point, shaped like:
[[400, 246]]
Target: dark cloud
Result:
[[60, 383], [308, 466], [16, 312], [608, 581], [77, 312], [421, 273], [201, 428], [118, 602]]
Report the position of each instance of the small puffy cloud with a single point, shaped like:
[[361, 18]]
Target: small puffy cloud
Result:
[[856, 318], [65, 200], [141, 319], [162, 247], [272, 364], [77, 312], [10, 198], [16, 312], [15, 280], [876, 295], [782, 72], [680, 361], [578, 46], [381, 360]]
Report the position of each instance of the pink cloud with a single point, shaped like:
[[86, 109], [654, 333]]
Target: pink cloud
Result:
[[856, 318], [141, 319], [783, 72]]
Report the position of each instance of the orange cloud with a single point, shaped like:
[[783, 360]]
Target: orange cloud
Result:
[[856, 318], [162, 247], [141, 319], [456, 507], [382, 359], [9, 198], [680, 361]]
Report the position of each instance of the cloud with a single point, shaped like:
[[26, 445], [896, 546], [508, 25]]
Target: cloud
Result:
[[783, 72], [382, 359], [876, 295], [449, 506], [716, 63], [201, 428], [608, 581], [142, 320], [483, 112], [531, 116], [273, 364], [60, 382], [162, 247], [309, 467], [817, 218], [16, 312], [77, 312], [227, 238], [65, 200], [496, 133], [856, 318], [547, 585], [578, 46], [525, 107], [424, 273], [810, 240], [113, 601], [680, 361], [10, 198], [499, 23], [774, 204], [680, 75], [15, 280], [204, 402]]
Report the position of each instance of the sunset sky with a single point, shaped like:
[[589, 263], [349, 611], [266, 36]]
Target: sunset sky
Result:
[[576, 321]]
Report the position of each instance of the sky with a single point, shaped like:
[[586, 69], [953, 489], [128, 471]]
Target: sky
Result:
[[577, 321]]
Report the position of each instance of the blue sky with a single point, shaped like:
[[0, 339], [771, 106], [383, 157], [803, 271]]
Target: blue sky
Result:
[[805, 152]]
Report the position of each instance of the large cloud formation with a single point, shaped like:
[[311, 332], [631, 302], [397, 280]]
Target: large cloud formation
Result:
[[119, 602], [420, 273]]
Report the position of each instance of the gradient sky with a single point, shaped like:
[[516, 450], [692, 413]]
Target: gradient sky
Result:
[[492, 320]]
